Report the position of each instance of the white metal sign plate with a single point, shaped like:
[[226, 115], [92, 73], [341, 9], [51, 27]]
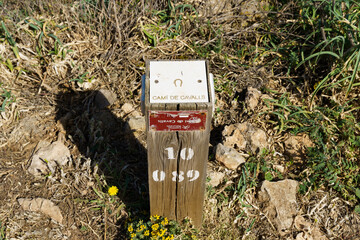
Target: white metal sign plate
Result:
[[178, 82]]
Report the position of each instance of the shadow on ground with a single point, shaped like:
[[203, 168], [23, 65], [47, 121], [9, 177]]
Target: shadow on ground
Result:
[[98, 134]]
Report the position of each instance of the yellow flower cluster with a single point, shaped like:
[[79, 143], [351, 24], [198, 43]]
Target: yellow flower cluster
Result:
[[171, 237], [155, 227], [113, 190], [162, 232], [164, 222], [155, 217], [154, 230], [141, 228]]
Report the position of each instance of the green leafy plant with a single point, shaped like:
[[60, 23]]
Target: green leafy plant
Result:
[[82, 78], [333, 161], [169, 24], [10, 40], [223, 85], [336, 38], [215, 45], [9, 64], [6, 98], [284, 114], [331, 52], [2, 231], [253, 171], [173, 16], [44, 31]]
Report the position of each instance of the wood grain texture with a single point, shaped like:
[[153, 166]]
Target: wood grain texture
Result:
[[162, 193], [190, 194]]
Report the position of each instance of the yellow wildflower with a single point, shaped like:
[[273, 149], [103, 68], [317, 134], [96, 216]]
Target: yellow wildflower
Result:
[[113, 190], [164, 222], [171, 237], [133, 235], [161, 232], [155, 227], [130, 228], [147, 233], [141, 228]]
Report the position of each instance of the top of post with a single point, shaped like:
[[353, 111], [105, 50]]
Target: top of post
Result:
[[178, 81]]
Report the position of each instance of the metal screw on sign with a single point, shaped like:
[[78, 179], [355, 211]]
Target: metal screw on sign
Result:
[[177, 100]]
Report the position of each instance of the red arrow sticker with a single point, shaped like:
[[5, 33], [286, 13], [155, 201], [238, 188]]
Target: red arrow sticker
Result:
[[177, 120]]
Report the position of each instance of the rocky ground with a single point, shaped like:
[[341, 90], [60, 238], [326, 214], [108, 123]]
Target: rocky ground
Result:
[[72, 126]]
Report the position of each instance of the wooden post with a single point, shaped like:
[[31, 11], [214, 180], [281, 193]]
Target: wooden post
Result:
[[178, 104]]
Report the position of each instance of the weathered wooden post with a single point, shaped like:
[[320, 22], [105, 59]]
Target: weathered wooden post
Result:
[[178, 104]]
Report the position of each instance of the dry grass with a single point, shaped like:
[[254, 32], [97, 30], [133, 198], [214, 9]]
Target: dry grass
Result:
[[104, 44]]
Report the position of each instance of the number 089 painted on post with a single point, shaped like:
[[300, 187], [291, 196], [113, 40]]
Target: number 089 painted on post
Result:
[[185, 154]]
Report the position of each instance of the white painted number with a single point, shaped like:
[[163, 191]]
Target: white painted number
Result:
[[155, 176], [185, 155], [170, 152], [193, 175], [159, 176], [189, 155], [176, 176]]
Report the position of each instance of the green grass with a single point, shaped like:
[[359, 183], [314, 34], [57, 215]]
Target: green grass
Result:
[[333, 162], [336, 39], [83, 78], [2, 231], [169, 22], [6, 98], [10, 40], [325, 45]]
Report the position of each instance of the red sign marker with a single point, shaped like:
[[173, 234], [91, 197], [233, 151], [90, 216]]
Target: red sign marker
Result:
[[177, 120]]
